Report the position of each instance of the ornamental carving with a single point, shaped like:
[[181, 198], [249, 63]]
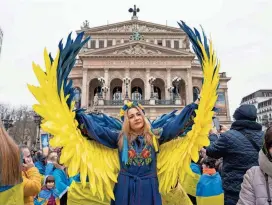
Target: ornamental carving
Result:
[[137, 50], [135, 27]]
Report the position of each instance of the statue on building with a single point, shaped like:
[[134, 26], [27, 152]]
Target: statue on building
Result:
[[86, 24], [134, 11]]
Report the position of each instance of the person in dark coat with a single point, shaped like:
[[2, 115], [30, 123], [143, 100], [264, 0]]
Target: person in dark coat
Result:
[[239, 148]]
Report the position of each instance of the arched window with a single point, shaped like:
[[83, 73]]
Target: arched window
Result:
[[97, 90], [157, 92], [195, 93]]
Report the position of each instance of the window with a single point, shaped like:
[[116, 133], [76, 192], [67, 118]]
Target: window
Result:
[[168, 43], [159, 42], [126, 41], [118, 42], [176, 44], [93, 43], [109, 43], [195, 93], [151, 41], [101, 43]]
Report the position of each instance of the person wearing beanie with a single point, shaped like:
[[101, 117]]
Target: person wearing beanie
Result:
[[257, 184], [239, 148]]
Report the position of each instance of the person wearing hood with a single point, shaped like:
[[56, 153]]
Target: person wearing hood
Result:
[[257, 184], [239, 148]]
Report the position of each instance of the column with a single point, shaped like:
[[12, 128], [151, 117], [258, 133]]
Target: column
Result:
[[96, 43], [122, 40], [156, 42], [105, 43], [168, 83], [113, 42], [180, 43], [172, 43], [106, 77], [147, 85], [189, 87], [163, 42], [84, 98], [89, 43]]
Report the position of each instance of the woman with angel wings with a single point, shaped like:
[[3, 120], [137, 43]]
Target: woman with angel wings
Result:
[[132, 161]]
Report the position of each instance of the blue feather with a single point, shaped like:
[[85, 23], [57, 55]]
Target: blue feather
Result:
[[206, 46], [194, 37], [66, 62]]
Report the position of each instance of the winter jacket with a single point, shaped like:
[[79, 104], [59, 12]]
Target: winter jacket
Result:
[[32, 185], [238, 154], [254, 191]]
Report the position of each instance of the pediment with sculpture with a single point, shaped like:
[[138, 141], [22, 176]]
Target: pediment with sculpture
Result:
[[132, 26]]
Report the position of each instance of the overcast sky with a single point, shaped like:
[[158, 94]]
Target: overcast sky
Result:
[[241, 31]]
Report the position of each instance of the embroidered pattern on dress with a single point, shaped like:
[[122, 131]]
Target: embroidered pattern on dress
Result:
[[139, 159]]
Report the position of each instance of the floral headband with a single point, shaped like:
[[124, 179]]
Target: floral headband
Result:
[[129, 105]]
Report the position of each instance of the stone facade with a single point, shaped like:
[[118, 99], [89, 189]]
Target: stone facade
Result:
[[142, 61]]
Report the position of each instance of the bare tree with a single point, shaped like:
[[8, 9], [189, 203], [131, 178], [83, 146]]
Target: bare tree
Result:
[[24, 128]]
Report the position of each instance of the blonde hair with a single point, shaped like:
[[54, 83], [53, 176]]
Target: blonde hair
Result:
[[10, 159], [128, 132]]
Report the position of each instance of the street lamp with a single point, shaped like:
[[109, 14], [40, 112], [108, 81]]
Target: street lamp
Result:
[[126, 81], [151, 82], [105, 89], [176, 82], [170, 90], [38, 120], [101, 81], [7, 121]]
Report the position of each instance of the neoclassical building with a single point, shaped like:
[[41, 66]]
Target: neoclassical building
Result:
[[141, 61]]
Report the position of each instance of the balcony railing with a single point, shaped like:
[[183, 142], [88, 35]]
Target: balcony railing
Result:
[[165, 102], [113, 102], [143, 102]]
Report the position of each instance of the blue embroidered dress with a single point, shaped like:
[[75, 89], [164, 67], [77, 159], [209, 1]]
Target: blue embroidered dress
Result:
[[137, 181]]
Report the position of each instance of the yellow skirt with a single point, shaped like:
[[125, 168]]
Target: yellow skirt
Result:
[[176, 196]]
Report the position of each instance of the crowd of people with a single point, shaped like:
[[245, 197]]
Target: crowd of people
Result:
[[236, 168]]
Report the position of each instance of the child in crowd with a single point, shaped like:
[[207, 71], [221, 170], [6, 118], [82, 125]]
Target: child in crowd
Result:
[[49, 194], [209, 190]]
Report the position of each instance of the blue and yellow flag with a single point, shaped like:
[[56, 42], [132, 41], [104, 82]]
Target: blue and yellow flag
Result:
[[209, 190], [191, 180], [13, 196]]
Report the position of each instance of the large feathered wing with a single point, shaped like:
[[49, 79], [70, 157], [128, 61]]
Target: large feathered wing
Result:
[[175, 156], [56, 106]]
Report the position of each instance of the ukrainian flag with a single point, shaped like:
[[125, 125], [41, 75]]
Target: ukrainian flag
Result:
[[209, 190], [190, 181], [13, 195]]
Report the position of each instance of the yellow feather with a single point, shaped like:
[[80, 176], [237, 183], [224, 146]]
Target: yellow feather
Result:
[[173, 167], [88, 158]]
